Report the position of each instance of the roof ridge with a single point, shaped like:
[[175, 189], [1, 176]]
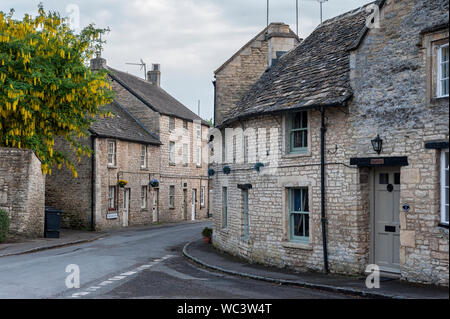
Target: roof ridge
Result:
[[348, 13]]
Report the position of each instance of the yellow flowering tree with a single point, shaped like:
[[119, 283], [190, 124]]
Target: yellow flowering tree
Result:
[[46, 87]]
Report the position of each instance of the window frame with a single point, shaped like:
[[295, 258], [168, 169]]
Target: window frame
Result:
[[202, 196], [144, 152], [444, 187], [186, 125], [171, 124], [144, 197], [113, 154], [112, 199], [292, 237], [290, 136], [172, 197], [224, 207], [439, 64], [172, 153]]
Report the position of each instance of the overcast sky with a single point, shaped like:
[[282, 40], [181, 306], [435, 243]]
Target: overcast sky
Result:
[[189, 38]]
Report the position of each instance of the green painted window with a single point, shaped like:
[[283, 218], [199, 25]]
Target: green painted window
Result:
[[298, 132], [299, 214], [224, 207]]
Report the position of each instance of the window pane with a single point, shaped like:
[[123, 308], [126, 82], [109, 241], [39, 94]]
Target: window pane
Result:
[[305, 201], [397, 178], [300, 224], [384, 179], [299, 139], [297, 200], [300, 120]]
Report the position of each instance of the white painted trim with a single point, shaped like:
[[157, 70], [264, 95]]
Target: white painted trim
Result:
[[442, 176], [439, 71]]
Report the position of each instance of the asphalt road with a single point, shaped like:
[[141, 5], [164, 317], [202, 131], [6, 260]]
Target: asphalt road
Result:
[[137, 263]]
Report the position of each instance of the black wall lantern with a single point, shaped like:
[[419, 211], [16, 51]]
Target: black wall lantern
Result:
[[377, 144]]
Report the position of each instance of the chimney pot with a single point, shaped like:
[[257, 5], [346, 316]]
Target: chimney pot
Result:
[[98, 62]]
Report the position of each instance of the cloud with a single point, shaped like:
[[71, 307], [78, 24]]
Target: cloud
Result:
[[189, 38]]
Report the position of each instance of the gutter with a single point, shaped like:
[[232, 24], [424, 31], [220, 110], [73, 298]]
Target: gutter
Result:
[[323, 130], [93, 137]]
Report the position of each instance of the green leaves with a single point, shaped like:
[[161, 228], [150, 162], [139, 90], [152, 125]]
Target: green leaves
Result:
[[46, 88]]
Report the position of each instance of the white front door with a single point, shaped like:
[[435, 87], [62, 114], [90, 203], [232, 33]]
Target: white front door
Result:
[[126, 206], [194, 200], [387, 220]]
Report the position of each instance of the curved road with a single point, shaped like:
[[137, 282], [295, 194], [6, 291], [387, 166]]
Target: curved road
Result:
[[136, 263]]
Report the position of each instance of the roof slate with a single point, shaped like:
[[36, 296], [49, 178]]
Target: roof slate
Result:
[[122, 126], [152, 95], [315, 73]]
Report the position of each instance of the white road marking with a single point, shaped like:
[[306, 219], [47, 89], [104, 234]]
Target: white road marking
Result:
[[123, 276]]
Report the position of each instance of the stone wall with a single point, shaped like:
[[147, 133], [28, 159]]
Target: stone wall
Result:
[[22, 187], [269, 242], [127, 168], [69, 194], [392, 74], [182, 176]]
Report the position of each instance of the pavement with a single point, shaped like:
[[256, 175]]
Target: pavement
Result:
[[211, 258], [30, 245]]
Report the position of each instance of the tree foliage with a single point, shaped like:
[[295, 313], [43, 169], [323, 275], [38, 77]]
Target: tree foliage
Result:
[[46, 87]]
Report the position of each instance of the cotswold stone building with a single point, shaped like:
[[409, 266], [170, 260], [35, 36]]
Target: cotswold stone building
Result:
[[22, 191], [154, 143], [337, 157]]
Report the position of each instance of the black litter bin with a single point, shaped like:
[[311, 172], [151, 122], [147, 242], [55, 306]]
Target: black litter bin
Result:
[[52, 222]]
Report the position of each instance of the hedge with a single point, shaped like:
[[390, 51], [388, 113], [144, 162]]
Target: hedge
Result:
[[4, 225]]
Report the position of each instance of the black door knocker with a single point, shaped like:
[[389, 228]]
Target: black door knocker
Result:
[[390, 188]]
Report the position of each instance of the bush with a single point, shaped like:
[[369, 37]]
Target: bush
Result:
[[4, 225], [207, 232]]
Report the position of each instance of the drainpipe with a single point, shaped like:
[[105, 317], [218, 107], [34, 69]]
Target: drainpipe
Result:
[[323, 130], [93, 183]]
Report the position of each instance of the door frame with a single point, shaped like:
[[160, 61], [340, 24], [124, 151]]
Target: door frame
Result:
[[194, 204], [126, 199], [372, 181], [155, 205]]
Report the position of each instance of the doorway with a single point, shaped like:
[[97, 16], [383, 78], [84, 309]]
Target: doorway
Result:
[[126, 207], [194, 202], [185, 204], [386, 219], [155, 208]]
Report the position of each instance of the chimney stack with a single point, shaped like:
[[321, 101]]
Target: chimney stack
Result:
[[281, 40], [154, 76], [98, 62]]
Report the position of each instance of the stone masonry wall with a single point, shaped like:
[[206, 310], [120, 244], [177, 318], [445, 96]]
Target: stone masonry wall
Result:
[[178, 174], [22, 187], [127, 168], [69, 194], [392, 74], [269, 242]]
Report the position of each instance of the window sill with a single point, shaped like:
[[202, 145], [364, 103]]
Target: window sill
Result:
[[144, 169], [112, 167], [442, 225], [296, 155], [199, 166], [172, 164], [295, 245]]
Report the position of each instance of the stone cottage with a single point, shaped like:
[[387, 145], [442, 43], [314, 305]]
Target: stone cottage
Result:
[[155, 143], [337, 157]]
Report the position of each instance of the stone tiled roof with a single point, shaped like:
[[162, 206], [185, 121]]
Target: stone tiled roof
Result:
[[122, 126], [316, 73], [153, 96]]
